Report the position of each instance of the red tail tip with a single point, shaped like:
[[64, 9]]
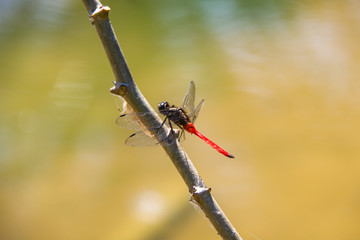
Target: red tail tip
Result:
[[230, 156]]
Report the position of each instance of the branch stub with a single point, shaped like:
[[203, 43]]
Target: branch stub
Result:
[[119, 89], [101, 12]]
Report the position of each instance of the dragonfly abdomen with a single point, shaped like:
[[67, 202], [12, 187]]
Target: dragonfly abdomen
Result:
[[191, 129]]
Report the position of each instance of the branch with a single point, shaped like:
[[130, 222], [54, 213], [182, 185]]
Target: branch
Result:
[[127, 89]]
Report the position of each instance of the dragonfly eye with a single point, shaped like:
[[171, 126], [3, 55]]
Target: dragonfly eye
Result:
[[163, 106]]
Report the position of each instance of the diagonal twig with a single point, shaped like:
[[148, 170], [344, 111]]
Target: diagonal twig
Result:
[[127, 89]]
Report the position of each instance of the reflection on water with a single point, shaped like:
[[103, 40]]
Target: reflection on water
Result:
[[148, 206], [72, 89], [38, 15]]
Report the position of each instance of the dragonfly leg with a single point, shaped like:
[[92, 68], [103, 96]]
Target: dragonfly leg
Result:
[[171, 128], [182, 132], [162, 124]]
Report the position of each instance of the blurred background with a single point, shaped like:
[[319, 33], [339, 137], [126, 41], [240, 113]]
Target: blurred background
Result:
[[281, 86]]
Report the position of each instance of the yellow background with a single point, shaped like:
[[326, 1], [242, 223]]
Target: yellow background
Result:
[[280, 81]]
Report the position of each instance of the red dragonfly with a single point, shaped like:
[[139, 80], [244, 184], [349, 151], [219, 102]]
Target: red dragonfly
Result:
[[183, 117]]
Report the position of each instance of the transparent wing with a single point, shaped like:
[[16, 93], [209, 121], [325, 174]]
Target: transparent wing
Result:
[[194, 114], [128, 118], [143, 139], [188, 102], [131, 120], [119, 102]]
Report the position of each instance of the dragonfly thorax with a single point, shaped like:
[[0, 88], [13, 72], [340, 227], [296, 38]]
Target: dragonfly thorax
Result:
[[174, 114]]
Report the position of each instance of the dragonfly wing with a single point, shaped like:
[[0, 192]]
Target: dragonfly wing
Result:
[[188, 102], [143, 139], [194, 114], [131, 120]]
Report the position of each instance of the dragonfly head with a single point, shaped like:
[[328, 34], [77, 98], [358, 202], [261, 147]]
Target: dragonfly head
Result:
[[163, 107]]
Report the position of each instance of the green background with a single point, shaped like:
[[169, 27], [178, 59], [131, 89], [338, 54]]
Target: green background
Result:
[[281, 86]]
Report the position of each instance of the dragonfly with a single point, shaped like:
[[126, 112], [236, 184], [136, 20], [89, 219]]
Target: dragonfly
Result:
[[182, 117]]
